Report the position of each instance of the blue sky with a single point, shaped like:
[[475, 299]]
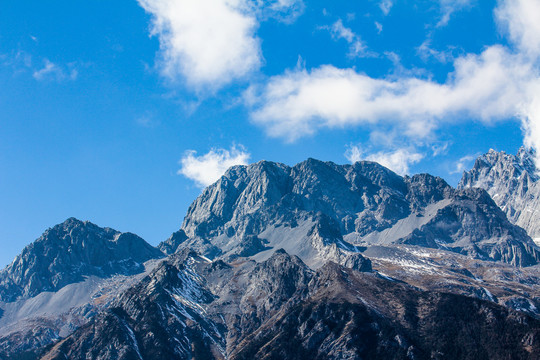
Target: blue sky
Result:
[[119, 112]]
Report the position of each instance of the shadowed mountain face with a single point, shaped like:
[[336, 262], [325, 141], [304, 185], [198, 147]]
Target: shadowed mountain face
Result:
[[322, 211], [512, 182], [280, 309], [67, 253]]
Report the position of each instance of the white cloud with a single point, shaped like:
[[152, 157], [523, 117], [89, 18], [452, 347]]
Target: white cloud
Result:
[[208, 168], [339, 31], [463, 164], [530, 119], [520, 19], [379, 27], [385, 6], [501, 83], [488, 86], [398, 160], [210, 43]]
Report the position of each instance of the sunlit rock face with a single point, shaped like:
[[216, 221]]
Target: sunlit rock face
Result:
[[512, 182], [317, 260], [321, 211]]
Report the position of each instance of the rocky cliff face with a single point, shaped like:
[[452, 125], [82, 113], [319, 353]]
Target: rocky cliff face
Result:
[[67, 253], [161, 317], [279, 308], [321, 211], [313, 261], [512, 182]]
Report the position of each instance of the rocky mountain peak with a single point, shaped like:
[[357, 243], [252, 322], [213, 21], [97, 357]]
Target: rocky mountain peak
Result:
[[505, 166], [322, 211], [378, 174], [512, 182], [69, 251], [317, 260]]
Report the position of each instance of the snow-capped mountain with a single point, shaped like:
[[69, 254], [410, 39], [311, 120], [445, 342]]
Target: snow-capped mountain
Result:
[[512, 182]]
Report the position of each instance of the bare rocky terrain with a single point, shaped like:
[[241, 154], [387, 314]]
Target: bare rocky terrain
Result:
[[512, 182], [317, 260]]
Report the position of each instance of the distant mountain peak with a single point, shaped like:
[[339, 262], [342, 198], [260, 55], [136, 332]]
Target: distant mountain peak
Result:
[[69, 251], [500, 161], [512, 182]]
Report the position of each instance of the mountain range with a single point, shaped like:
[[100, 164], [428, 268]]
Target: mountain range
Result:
[[317, 260]]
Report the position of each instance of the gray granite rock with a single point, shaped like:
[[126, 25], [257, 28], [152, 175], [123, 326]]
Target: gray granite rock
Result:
[[322, 211], [512, 182]]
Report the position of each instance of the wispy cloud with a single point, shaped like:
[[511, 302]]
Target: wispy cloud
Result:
[[398, 160], [284, 10], [449, 7], [379, 27], [55, 72], [357, 48], [385, 6], [440, 148], [208, 168], [426, 52], [463, 164], [147, 120], [17, 60], [22, 62]]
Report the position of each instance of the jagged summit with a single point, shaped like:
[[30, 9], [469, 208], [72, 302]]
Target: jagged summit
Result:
[[503, 165], [69, 251], [512, 182], [315, 260], [322, 211]]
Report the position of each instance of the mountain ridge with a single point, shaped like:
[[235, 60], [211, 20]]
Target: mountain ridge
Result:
[[69, 251], [279, 308], [243, 212], [275, 261]]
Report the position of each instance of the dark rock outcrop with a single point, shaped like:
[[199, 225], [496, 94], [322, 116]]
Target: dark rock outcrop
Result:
[[280, 308]]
